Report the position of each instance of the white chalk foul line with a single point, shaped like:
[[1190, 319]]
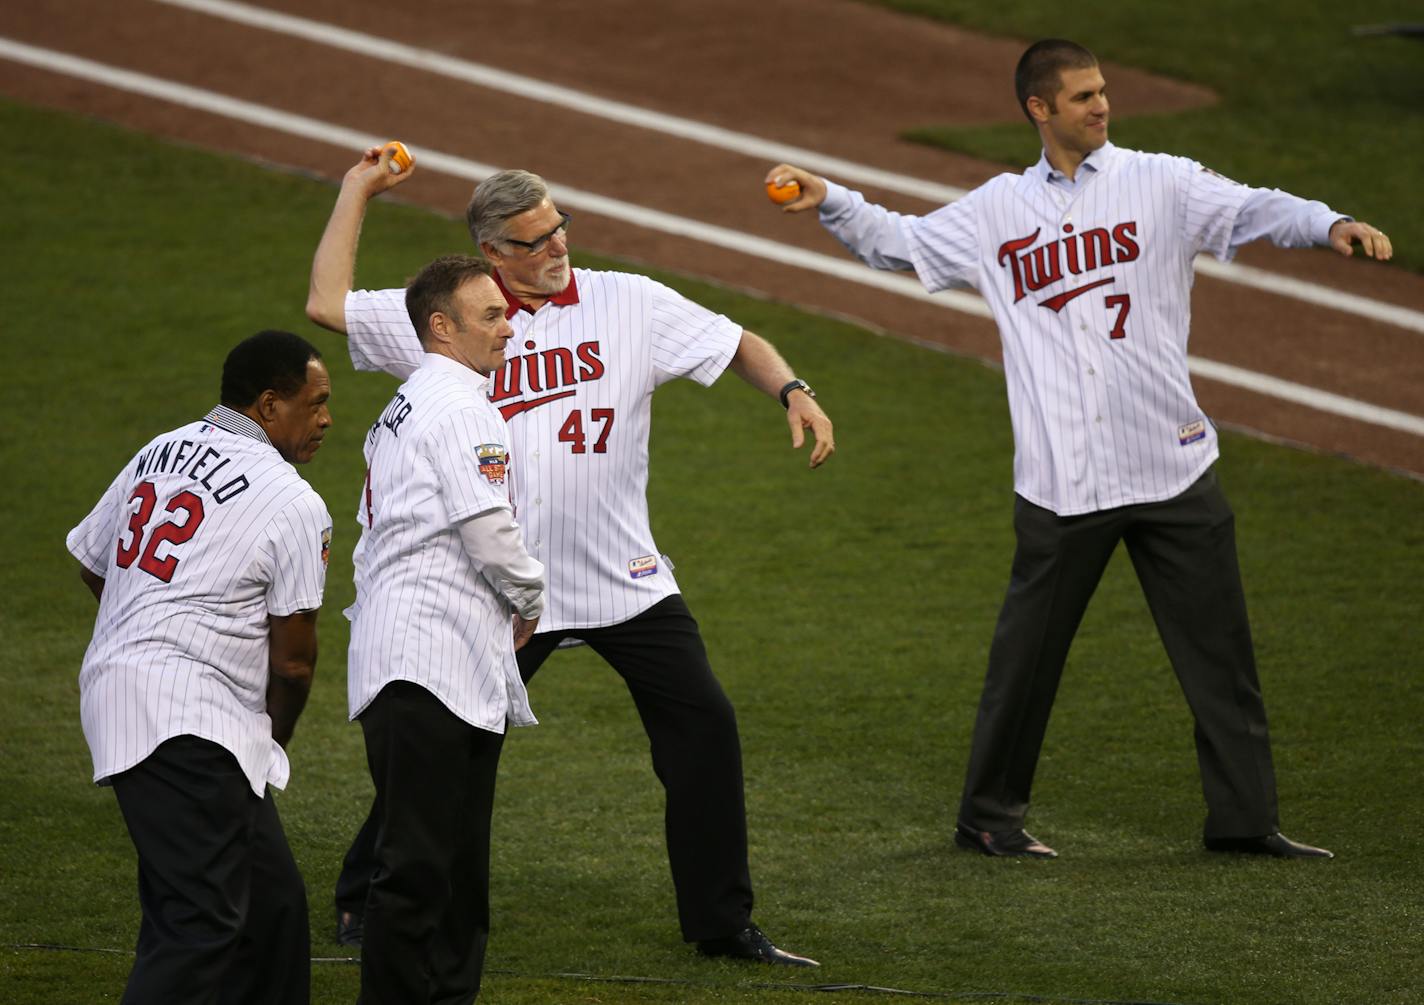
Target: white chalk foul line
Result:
[[726, 139], [723, 237]]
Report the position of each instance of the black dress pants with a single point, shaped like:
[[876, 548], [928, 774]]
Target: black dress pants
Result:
[[427, 910], [696, 751], [1184, 552], [224, 907]]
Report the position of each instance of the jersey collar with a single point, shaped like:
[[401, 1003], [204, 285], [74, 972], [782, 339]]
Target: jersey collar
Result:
[[1093, 162], [563, 299], [439, 361], [233, 421]]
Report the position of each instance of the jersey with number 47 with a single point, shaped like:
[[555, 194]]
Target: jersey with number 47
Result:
[[203, 535], [577, 392]]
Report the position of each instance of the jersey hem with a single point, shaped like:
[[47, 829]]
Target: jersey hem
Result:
[[590, 626], [1143, 500], [355, 713]]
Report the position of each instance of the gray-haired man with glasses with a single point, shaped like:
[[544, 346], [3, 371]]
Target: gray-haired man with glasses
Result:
[[589, 350]]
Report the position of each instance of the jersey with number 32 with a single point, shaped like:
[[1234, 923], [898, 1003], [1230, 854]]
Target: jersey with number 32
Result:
[[203, 535]]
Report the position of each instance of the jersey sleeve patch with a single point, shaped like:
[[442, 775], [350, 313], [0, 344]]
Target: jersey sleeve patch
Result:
[[494, 462]]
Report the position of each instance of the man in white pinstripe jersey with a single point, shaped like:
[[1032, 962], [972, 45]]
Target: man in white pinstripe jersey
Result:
[[445, 594], [1085, 260], [591, 349], [208, 558]]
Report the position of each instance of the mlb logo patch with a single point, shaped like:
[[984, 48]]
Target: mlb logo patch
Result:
[[494, 462], [325, 547], [1191, 432], [645, 566]]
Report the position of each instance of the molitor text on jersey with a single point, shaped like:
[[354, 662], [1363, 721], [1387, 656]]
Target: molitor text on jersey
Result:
[[396, 412], [551, 373], [1073, 254], [197, 460]]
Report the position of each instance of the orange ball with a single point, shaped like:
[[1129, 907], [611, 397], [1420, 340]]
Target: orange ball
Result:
[[782, 194], [401, 160]]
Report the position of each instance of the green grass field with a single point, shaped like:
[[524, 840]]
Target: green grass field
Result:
[[1306, 105], [848, 612]]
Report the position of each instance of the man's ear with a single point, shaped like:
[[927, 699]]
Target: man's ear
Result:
[[440, 326], [267, 405], [491, 253], [1039, 109]]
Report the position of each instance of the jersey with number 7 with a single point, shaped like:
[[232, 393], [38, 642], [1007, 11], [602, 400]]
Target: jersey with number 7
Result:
[[1090, 286]]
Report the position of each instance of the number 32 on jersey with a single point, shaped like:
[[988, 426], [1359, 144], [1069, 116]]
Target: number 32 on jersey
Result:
[[170, 532]]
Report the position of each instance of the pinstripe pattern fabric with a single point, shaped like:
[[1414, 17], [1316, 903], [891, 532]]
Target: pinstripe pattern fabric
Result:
[[577, 393], [188, 655], [1090, 286], [423, 612]]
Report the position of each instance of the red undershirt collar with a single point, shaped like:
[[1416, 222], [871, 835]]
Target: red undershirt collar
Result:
[[563, 299]]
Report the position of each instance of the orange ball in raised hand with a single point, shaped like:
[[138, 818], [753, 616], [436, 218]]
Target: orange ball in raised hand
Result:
[[401, 160], [782, 194]]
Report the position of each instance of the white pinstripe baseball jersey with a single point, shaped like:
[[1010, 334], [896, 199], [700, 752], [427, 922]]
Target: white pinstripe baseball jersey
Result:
[[1090, 284], [578, 399], [201, 537], [424, 613]]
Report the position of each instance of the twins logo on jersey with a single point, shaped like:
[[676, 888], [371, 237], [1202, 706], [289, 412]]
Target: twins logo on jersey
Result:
[[1079, 254], [494, 462], [554, 371]]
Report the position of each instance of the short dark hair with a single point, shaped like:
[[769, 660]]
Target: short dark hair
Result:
[[270, 360], [1038, 74], [433, 289]]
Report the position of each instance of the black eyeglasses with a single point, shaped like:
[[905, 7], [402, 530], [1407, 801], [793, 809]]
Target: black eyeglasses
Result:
[[540, 243]]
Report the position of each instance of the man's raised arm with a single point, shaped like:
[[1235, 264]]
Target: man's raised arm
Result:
[[334, 266]]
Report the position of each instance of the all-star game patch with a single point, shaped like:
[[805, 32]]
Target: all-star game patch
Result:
[[325, 547], [494, 462], [1191, 432], [645, 566]]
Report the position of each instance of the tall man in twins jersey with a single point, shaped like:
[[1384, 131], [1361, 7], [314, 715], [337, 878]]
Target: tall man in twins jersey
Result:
[[1085, 260], [445, 593], [208, 558], [592, 347]]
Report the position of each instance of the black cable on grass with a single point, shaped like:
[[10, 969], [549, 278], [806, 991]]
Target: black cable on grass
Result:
[[869, 989]]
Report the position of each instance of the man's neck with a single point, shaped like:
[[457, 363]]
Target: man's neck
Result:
[[1066, 162], [533, 299]]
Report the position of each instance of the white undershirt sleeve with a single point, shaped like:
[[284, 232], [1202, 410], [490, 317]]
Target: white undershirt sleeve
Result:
[[871, 233], [494, 544], [1289, 221]]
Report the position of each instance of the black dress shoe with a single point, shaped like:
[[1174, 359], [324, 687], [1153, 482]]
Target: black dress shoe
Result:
[[751, 944], [350, 927], [1276, 845], [1003, 844]]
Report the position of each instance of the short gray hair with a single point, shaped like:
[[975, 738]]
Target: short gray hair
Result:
[[498, 199]]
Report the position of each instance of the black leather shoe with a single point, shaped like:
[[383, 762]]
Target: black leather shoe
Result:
[[751, 944], [1276, 845], [350, 927], [1003, 844]]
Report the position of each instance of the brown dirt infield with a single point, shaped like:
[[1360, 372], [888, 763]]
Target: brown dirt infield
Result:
[[817, 78]]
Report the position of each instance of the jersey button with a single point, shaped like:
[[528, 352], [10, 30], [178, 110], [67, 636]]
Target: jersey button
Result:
[[1091, 371]]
